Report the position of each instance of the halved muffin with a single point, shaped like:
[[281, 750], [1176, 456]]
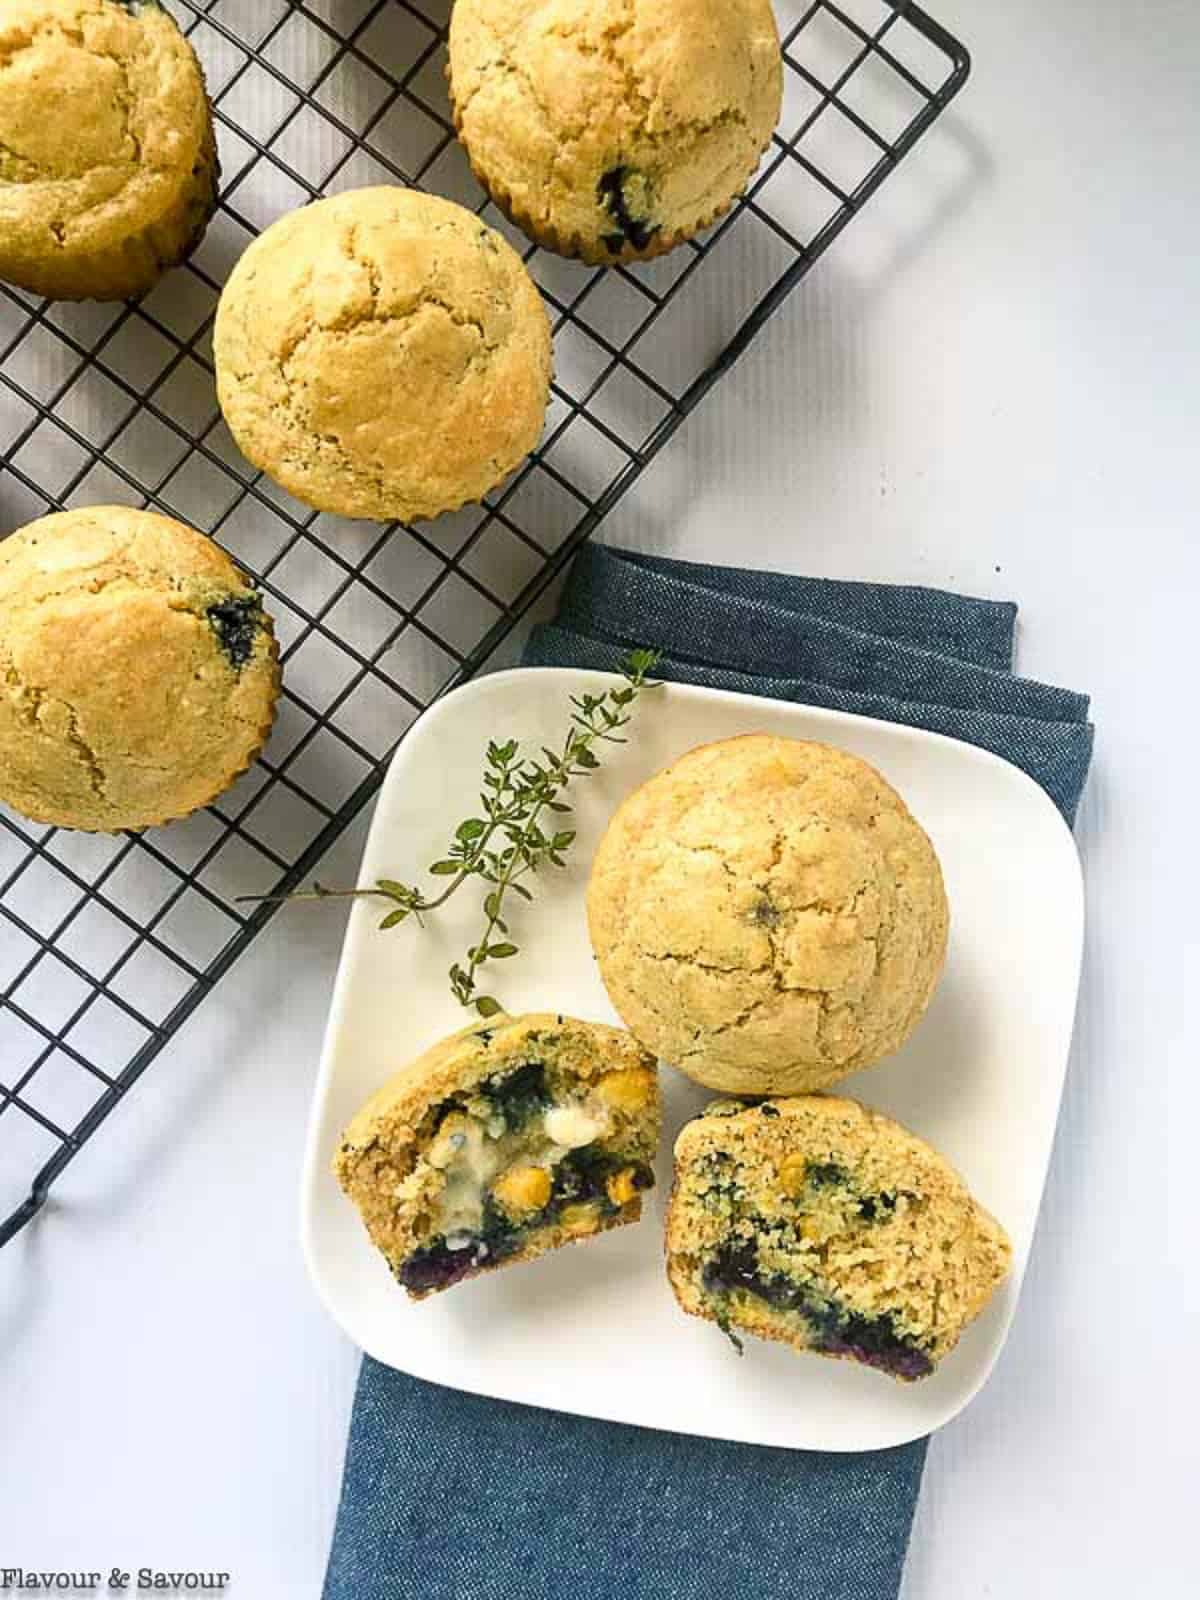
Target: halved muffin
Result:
[[820, 1223], [500, 1143]]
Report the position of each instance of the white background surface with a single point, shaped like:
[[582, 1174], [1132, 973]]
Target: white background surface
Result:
[[1003, 400]]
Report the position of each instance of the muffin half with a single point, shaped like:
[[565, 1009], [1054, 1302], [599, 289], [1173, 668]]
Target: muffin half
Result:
[[500, 1143], [108, 164], [826, 1226]]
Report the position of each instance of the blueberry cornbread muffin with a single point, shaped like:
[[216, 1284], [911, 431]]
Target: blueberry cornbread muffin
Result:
[[108, 166], [383, 354], [822, 1224], [138, 670], [500, 1143], [614, 129], [767, 915]]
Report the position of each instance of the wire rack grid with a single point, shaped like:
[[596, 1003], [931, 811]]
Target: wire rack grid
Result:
[[107, 943]]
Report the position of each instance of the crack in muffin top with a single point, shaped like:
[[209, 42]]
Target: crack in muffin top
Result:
[[554, 100], [103, 119], [138, 671], [767, 915], [383, 354]]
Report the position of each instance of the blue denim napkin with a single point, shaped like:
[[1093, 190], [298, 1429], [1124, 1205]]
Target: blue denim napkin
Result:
[[924, 657], [449, 1496]]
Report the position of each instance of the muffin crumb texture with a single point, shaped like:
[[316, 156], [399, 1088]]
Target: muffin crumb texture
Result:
[[613, 129], [383, 354], [138, 670], [767, 915], [501, 1143], [108, 164], [821, 1224]]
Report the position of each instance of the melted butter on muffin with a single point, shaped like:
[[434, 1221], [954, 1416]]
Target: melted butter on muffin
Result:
[[501, 1143]]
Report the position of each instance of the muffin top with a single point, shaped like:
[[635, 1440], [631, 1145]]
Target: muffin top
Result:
[[570, 1047], [767, 915], [613, 128], [103, 117], [383, 354], [138, 671]]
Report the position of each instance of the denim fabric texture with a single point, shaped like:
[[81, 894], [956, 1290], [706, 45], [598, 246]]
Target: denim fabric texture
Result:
[[450, 1496], [923, 657]]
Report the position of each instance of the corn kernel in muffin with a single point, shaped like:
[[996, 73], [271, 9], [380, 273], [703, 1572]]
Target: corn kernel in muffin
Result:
[[500, 1143], [824, 1225]]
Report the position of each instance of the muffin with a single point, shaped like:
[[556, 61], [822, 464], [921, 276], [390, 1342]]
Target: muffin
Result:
[[822, 1224], [500, 1143], [767, 915], [108, 165], [614, 129], [383, 354], [138, 670]]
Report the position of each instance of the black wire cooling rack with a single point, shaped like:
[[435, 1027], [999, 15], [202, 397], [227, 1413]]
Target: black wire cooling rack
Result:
[[108, 943]]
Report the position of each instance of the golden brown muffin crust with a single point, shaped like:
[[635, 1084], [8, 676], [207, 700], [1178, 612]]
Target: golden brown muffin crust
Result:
[[383, 354], [767, 915], [138, 673], [107, 159], [612, 129]]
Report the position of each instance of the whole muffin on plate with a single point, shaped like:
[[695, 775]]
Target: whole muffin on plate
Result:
[[614, 129], [501, 1142], [138, 670], [825, 1225], [108, 165], [383, 354], [768, 915]]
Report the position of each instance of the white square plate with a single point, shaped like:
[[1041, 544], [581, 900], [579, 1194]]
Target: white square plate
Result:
[[595, 1329]]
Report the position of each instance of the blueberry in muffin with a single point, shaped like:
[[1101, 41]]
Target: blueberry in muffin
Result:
[[616, 190], [822, 1224], [501, 1142], [237, 621], [138, 670], [613, 130]]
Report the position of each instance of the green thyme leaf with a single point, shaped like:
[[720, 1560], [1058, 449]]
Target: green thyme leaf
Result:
[[508, 842], [398, 891]]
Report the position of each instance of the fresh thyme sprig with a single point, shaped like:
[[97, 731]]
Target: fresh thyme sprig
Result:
[[512, 836]]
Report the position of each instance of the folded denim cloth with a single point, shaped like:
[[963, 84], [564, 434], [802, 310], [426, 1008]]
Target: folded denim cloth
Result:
[[449, 1496], [919, 656]]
